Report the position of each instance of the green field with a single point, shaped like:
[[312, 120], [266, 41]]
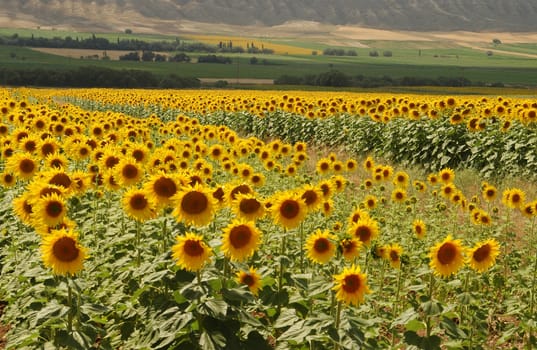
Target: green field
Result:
[[409, 59]]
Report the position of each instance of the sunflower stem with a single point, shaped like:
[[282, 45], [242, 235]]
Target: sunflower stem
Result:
[[301, 234], [463, 307], [430, 295], [398, 291], [532, 292], [280, 276], [70, 303], [338, 321], [381, 286], [164, 235], [138, 232]]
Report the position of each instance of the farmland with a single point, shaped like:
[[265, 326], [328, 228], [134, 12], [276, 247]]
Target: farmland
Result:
[[510, 63], [244, 219]]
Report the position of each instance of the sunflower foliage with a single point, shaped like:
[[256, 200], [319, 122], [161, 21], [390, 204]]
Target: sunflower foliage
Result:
[[228, 231]]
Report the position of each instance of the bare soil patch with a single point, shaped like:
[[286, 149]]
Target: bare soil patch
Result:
[[86, 53]]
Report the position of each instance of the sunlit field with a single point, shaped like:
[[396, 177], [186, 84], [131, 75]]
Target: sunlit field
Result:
[[225, 219]]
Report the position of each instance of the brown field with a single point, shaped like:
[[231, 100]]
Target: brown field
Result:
[[78, 53]]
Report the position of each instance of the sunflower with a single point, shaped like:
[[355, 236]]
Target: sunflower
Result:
[[136, 204], [433, 179], [81, 181], [366, 230], [160, 188], [401, 179], [194, 205], [393, 255], [370, 201], [289, 209], [248, 207], [326, 187], [23, 208], [56, 160], [240, 239], [351, 165], [312, 196], [22, 165], [356, 215], [447, 190], [327, 207], [446, 175], [351, 286], [58, 177], [7, 179], [489, 192], [62, 252], [483, 255], [128, 172], [419, 228], [369, 163], [447, 257], [513, 198], [323, 166], [399, 195], [250, 278], [191, 252], [339, 182], [320, 246], [241, 188], [49, 210], [528, 210], [350, 248]]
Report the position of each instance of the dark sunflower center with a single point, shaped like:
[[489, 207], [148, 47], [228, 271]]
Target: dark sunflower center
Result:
[[65, 249], [111, 161], [54, 209], [321, 245], [248, 279], [138, 202], [351, 284], [30, 146], [249, 205], [129, 171], [515, 198], [325, 189], [490, 193], [482, 253], [219, 194], [47, 149], [446, 176], [309, 197], [394, 256], [60, 179], [138, 155], [56, 163], [193, 248], [27, 166], [8, 178], [363, 233], [447, 253], [240, 236], [28, 209], [165, 187], [418, 229], [325, 166], [289, 209], [194, 203], [243, 189]]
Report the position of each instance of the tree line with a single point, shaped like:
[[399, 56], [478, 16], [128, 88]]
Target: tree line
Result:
[[337, 78], [92, 76], [97, 43]]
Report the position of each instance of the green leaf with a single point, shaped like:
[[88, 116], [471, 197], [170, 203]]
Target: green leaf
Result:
[[287, 318], [215, 308], [415, 325], [297, 332]]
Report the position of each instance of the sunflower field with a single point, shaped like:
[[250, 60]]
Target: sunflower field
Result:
[[135, 219]]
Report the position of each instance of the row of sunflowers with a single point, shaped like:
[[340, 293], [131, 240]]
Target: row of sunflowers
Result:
[[126, 232]]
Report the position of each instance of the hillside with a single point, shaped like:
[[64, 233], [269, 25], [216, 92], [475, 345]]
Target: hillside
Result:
[[165, 15]]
